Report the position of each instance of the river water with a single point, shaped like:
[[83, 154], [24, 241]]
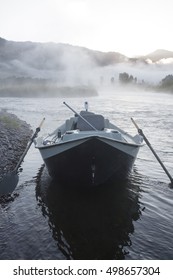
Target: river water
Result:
[[126, 220]]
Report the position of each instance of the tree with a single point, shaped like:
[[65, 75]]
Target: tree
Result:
[[126, 78], [167, 83]]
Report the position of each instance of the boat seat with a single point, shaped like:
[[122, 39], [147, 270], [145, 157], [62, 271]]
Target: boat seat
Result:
[[69, 124], [96, 121], [106, 123]]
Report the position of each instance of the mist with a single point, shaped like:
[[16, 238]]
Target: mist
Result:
[[48, 67]]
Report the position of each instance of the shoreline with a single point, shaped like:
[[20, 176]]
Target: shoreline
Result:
[[15, 134]]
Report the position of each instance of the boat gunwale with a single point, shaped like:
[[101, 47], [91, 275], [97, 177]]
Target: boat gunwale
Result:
[[88, 137]]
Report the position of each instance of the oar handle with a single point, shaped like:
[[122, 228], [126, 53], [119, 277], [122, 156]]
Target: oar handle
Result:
[[37, 130], [41, 122], [137, 127], [135, 124]]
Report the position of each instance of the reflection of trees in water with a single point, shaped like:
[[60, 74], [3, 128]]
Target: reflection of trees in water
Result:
[[90, 224]]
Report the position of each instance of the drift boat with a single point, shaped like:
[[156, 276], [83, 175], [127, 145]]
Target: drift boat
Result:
[[87, 149]]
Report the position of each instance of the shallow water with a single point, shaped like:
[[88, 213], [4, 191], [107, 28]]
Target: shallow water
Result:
[[129, 220]]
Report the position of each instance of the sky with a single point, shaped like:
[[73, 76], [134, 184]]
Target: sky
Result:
[[131, 27]]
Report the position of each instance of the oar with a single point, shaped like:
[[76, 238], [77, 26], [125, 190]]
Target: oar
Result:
[[151, 148], [10, 181]]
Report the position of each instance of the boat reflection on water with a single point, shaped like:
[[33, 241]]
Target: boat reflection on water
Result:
[[90, 224]]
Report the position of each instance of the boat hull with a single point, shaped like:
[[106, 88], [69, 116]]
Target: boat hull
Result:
[[89, 162]]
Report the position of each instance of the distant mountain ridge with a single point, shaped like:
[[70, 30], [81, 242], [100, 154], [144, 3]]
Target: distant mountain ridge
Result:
[[158, 55], [10, 50], [30, 58], [102, 58]]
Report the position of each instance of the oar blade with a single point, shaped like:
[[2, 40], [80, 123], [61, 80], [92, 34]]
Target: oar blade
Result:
[[9, 183]]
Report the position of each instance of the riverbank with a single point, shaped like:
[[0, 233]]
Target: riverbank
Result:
[[27, 87], [15, 134]]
